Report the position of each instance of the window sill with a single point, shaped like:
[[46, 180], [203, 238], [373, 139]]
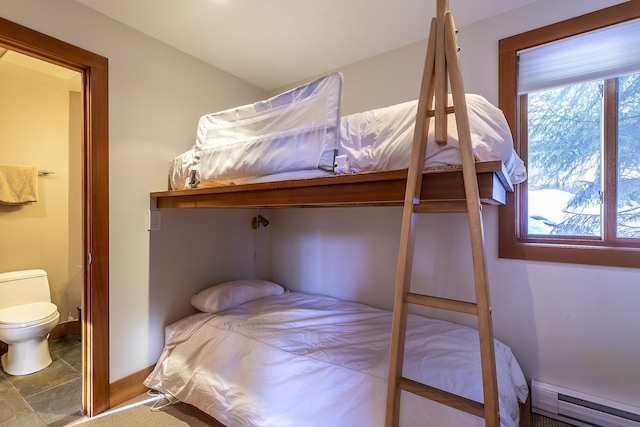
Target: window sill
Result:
[[572, 254]]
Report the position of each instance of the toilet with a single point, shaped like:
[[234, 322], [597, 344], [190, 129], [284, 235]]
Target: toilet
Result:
[[26, 318]]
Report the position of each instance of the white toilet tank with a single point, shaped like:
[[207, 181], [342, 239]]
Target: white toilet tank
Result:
[[23, 287]]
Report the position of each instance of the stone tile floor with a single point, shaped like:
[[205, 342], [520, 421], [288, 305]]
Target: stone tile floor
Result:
[[51, 397]]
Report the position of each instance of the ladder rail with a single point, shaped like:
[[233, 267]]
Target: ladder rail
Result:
[[441, 91], [407, 235], [474, 212]]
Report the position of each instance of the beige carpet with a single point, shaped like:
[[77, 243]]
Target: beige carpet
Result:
[[139, 412]]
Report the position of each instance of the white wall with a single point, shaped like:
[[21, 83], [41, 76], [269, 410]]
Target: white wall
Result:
[[569, 325], [156, 95]]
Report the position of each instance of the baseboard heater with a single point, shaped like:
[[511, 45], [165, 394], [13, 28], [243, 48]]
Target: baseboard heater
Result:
[[581, 409]]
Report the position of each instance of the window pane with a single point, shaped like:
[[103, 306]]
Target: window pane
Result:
[[564, 160], [628, 212]]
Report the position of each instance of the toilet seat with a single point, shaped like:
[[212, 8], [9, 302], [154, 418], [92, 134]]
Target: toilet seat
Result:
[[27, 314]]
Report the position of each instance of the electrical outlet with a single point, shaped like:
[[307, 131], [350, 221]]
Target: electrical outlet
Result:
[[154, 220]]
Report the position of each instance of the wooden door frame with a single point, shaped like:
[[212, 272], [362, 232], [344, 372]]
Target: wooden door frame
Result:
[[95, 170]]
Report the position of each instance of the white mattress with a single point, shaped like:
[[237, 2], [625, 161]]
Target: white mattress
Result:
[[301, 360], [381, 139], [376, 140]]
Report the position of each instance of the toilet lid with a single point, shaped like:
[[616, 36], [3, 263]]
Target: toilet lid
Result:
[[27, 314]]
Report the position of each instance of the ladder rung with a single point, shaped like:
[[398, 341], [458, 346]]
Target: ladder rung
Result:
[[442, 303], [441, 206], [448, 110], [441, 396]]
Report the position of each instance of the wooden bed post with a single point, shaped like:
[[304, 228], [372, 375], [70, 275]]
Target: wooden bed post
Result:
[[442, 67]]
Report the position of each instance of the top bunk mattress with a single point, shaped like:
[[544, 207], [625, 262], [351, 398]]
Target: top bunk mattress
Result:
[[300, 134], [381, 139]]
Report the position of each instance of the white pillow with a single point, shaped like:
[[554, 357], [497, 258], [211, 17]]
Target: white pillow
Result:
[[232, 294]]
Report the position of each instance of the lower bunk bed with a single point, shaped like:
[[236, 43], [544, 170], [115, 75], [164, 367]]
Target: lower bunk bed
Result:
[[258, 355]]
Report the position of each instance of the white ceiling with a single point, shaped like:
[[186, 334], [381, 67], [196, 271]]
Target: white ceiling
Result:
[[273, 43]]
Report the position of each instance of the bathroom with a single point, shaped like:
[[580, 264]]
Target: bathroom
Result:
[[40, 125]]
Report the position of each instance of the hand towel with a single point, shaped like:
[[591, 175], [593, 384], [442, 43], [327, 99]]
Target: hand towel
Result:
[[18, 184]]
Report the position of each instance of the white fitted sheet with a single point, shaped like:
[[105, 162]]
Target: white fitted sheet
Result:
[[308, 360]]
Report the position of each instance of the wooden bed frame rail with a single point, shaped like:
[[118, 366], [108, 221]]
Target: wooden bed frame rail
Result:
[[365, 189]]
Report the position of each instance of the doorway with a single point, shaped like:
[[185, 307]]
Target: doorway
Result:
[[95, 204]]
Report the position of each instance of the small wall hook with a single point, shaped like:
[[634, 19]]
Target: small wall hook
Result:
[[258, 221]]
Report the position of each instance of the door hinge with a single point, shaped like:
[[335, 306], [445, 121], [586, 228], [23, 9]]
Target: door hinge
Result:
[[89, 258]]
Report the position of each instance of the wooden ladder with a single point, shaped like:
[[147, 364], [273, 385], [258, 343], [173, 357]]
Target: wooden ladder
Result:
[[442, 67]]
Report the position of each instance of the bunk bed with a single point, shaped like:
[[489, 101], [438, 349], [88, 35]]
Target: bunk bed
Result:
[[254, 359], [259, 388], [203, 383]]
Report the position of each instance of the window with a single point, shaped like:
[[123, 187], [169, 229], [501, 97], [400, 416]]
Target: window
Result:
[[571, 94]]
